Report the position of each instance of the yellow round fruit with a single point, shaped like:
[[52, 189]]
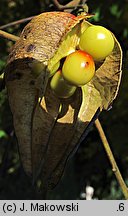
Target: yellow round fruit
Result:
[[97, 41]]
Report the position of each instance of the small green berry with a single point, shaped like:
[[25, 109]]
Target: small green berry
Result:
[[60, 87]]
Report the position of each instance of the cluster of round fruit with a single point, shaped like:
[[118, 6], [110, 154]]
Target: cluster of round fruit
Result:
[[95, 44]]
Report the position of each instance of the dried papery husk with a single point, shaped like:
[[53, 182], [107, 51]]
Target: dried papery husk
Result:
[[48, 129], [38, 43]]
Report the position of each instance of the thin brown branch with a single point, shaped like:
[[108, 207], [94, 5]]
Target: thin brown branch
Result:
[[16, 22], [70, 5], [115, 168], [8, 36]]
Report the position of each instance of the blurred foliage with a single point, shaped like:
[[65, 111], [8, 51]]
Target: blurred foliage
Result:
[[90, 165]]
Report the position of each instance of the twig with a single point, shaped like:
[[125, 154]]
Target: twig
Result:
[[16, 22], [8, 36], [70, 5], [115, 168]]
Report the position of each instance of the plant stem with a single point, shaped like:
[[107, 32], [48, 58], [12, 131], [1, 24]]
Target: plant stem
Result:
[[115, 168], [8, 36], [16, 22]]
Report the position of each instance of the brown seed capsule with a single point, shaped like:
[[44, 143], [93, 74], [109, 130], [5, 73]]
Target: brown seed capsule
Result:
[[49, 129]]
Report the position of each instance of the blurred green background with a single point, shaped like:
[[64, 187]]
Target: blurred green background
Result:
[[90, 165]]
